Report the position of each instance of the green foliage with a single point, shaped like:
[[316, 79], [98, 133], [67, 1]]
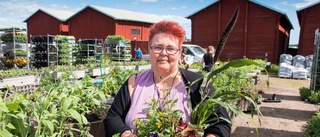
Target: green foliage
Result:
[[160, 122], [16, 72], [14, 115], [200, 114], [314, 97], [17, 52], [274, 68], [18, 38], [304, 93], [114, 39], [113, 80], [313, 126], [65, 46], [196, 65]]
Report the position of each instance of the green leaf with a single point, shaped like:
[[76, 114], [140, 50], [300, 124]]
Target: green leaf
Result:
[[3, 107], [12, 106], [10, 126], [5, 133], [65, 103], [49, 125], [75, 115]]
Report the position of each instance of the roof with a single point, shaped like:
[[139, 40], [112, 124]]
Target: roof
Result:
[[126, 15], [308, 6], [60, 15], [253, 1], [298, 11]]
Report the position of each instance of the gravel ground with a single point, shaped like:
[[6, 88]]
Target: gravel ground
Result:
[[283, 119]]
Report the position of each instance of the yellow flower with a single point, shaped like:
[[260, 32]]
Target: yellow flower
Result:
[[138, 122], [158, 124], [112, 72], [161, 118]]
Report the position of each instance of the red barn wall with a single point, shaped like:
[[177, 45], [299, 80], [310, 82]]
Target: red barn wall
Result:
[[310, 21], [254, 34], [262, 33], [41, 24], [89, 24], [124, 28]]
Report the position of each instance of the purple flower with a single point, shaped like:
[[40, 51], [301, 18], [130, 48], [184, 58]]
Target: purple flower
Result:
[[154, 135]]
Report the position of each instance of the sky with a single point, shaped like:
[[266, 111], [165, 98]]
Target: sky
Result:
[[15, 12]]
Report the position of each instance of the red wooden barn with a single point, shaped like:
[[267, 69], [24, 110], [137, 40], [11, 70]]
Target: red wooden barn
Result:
[[259, 29], [92, 22], [309, 21], [99, 22], [45, 21]]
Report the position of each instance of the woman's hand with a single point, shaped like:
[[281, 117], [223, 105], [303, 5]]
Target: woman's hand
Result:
[[128, 133]]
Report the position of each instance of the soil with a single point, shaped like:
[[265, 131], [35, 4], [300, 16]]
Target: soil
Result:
[[282, 119]]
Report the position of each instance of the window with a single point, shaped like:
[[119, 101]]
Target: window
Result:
[[135, 31]]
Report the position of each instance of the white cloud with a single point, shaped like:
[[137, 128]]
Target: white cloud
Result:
[[184, 22], [178, 8], [286, 3], [148, 0], [14, 12], [304, 3]]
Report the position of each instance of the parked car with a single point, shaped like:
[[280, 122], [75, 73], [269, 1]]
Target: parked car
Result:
[[194, 53]]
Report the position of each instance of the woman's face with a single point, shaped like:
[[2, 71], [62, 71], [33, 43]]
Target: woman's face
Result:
[[163, 62]]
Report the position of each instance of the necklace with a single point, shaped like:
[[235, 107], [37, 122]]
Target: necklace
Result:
[[163, 99]]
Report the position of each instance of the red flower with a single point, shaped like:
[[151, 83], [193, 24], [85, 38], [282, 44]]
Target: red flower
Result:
[[182, 124]]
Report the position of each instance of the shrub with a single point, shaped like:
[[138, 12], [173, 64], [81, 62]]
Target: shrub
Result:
[[314, 97], [304, 93], [313, 126]]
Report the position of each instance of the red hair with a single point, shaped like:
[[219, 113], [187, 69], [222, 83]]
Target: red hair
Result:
[[168, 27]]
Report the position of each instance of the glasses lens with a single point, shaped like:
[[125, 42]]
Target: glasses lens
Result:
[[169, 51]]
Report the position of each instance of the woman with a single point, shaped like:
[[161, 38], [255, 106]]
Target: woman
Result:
[[207, 59], [165, 41]]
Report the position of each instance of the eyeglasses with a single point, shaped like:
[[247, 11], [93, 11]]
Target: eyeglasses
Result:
[[158, 50]]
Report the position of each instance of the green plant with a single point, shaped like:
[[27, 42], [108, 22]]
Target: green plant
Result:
[[196, 65], [304, 93], [115, 39], [274, 68], [16, 72], [200, 115], [313, 126], [18, 37], [15, 113], [314, 97], [113, 80], [158, 122]]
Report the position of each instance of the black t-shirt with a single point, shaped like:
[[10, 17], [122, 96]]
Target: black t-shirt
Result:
[[208, 61]]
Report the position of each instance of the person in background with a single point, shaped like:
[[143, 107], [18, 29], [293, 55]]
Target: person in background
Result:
[[164, 81], [207, 59], [138, 54]]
